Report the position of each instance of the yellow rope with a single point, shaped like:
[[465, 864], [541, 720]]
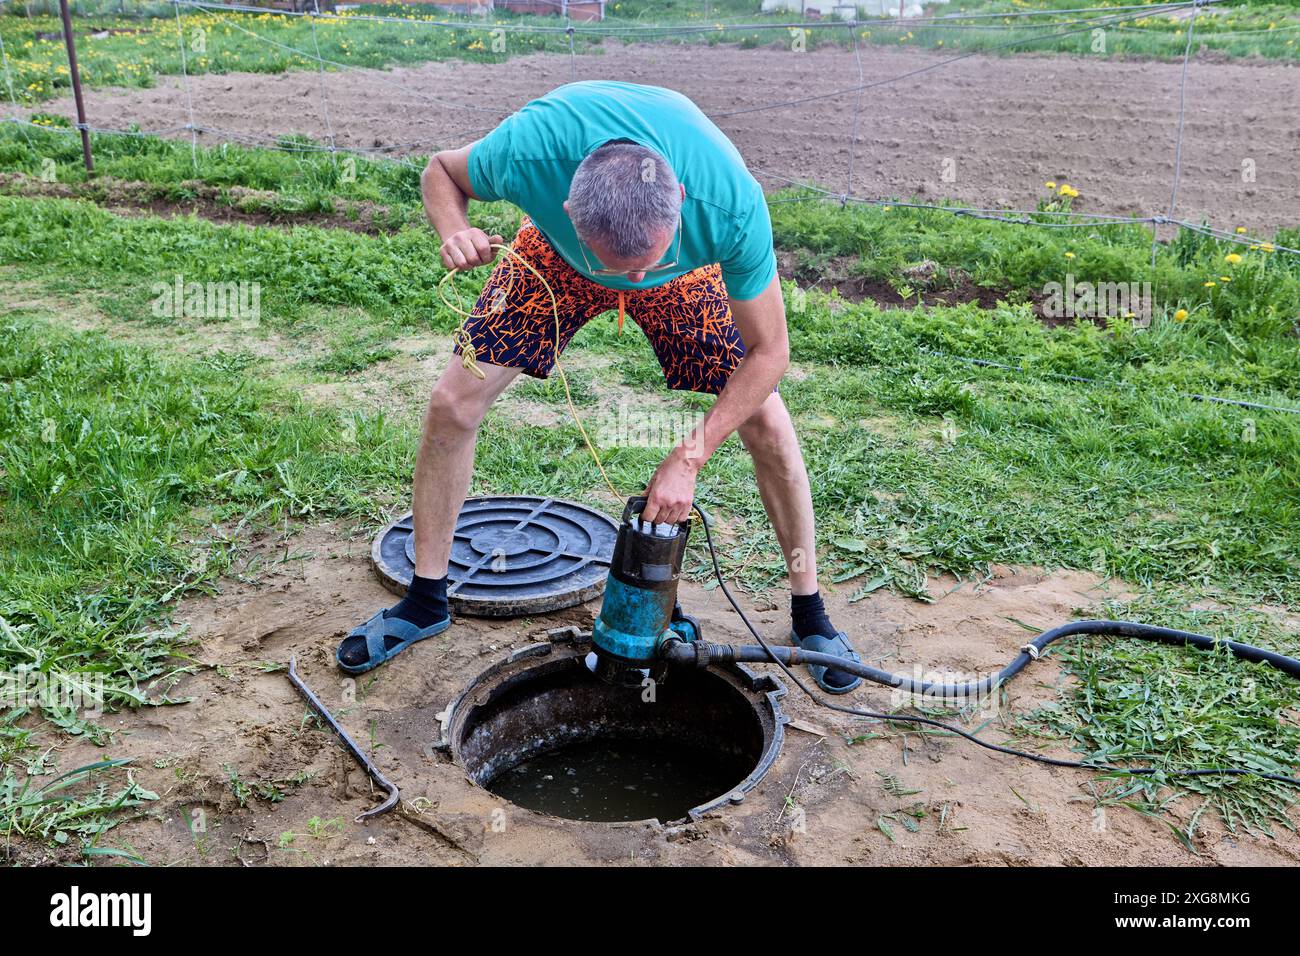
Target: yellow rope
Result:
[[469, 356]]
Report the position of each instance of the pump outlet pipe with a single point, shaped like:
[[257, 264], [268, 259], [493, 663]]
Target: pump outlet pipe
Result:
[[701, 653]]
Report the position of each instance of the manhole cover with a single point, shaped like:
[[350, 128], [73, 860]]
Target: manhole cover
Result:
[[510, 556]]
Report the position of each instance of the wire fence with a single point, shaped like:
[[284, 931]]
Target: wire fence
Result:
[[714, 25], [1106, 18]]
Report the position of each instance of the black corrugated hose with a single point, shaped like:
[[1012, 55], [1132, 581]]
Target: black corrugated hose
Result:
[[702, 652]]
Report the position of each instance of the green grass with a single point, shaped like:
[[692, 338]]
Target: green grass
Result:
[[1246, 29], [136, 49], [1203, 491], [389, 275], [1242, 30], [126, 477], [77, 803], [131, 475], [1237, 318], [551, 390], [127, 482], [290, 184], [354, 353], [1138, 703]]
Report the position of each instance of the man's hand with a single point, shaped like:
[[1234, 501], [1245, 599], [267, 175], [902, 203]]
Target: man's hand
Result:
[[446, 191], [761, 323], [468, 248], [672, 489]]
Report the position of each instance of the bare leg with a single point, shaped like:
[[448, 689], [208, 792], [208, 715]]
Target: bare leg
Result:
[[445, 461], [783, 485], [443, 466], [770, 439]]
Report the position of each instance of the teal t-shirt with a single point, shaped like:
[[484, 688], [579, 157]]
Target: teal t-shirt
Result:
[[529, 160]]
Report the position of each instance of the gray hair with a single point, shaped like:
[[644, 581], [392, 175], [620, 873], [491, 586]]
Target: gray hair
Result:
[[625, 197]]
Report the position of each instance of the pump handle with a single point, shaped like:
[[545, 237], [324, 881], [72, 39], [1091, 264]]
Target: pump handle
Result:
[[636, 504]]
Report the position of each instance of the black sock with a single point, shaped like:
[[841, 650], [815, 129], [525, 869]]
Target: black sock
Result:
[[808, 617], [425, 604]]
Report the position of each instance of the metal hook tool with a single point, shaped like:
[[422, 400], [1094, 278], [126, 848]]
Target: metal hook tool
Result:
[[393, 794]]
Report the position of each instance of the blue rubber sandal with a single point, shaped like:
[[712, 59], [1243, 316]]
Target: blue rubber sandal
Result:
[[376, 630], [837, 645]]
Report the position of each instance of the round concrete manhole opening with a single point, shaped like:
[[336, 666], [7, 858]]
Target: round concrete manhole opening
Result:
[[510, 556], [543, 732]]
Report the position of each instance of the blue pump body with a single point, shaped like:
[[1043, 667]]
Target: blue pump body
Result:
[[636, 615], [634, 623]]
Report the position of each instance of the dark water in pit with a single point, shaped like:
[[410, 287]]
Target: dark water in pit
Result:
[[611, 780]]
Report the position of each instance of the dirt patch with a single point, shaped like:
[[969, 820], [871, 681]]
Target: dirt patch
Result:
[[999, 127], [919, 285], [927, 283], [246, 736], [222, 204]]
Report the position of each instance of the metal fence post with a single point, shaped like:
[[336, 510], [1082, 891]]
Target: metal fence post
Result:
[[76, 84]]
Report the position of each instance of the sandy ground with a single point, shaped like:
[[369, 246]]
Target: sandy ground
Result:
[[299, 596], [1107, 127], [999, 126], [980, 808]]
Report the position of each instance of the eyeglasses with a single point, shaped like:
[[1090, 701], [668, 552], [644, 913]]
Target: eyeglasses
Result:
[[653, 270]]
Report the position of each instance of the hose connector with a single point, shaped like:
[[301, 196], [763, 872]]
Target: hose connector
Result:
[[674, 650]]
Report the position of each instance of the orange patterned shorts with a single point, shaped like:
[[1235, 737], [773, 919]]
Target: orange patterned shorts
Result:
[[687, 319]]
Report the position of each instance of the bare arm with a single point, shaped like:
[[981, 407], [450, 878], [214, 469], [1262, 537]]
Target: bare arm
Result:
[[761, 323], [446, 191]]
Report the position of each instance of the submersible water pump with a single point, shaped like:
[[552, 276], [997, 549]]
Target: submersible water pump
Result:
[[640, 611]]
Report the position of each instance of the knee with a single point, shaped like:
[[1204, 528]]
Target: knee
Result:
[[451, 414], [768, 434]]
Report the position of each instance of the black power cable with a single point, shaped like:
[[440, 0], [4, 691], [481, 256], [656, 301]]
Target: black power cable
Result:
[[765, 653]]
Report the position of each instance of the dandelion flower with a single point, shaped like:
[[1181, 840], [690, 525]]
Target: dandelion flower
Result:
[[1069, 255], [1241, 230], [1180, 315], [1050, 185], [1210, 285], [1232, 258], [1267, 246]]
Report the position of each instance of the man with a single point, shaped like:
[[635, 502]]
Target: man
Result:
[[633, 200]]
